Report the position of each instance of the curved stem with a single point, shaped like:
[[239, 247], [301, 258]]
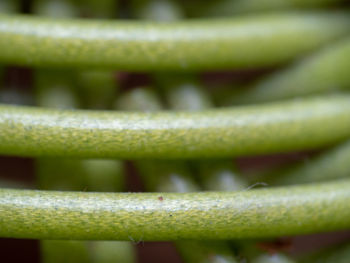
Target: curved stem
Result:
[[174, 216], [275, 127], [229, 43]]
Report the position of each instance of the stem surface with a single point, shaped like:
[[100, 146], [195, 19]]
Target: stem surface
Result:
[[245, 130], [147, 46], [174, 216]]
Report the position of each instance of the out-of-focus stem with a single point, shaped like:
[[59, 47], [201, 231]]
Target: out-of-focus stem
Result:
[[324, 71], [149, 46], [330, 165]]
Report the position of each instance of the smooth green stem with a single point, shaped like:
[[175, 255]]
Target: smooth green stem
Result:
[[175, 216], [150, 46], [248, 130], [325, 71]]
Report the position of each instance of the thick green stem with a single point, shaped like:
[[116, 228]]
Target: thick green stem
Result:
[[275, 127], [175, 216], [167, 46]]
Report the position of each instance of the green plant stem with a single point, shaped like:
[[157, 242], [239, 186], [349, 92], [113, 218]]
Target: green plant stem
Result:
[[325, 71], [175, 216], [275, 127], [174, 176], [167, 46]]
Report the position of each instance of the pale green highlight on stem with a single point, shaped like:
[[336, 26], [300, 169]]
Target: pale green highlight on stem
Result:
[[146, 46], [248, 130], [324, 71], [174, 216]]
